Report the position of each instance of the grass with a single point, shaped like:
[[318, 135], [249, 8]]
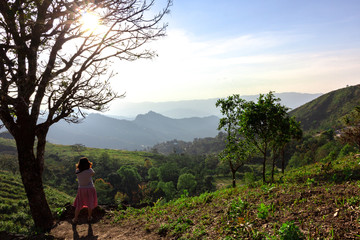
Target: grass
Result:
[[14, 208], [66, 152], [119, 156], [306, 203]]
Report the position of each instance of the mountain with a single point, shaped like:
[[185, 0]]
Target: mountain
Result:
[[144, 131], [197, 108], [326, 111]]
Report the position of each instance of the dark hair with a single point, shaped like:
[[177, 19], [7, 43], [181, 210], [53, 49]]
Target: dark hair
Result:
[[83, 164]]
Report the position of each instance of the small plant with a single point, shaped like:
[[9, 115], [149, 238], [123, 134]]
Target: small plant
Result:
[[353, 201], [310, 182], [237, 208], [289, 231], [60, 211], [263, 211], [163, 229]]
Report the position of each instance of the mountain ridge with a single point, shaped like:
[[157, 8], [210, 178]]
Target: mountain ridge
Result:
[[144, 131], [198, 107], [326, 111]]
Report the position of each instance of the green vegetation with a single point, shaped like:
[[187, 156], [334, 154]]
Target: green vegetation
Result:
[[124, 177], [14, 207], [294, 207], [325, 112], [316, 197]]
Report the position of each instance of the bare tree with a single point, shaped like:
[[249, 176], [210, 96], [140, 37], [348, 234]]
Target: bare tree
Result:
[[51, 65]]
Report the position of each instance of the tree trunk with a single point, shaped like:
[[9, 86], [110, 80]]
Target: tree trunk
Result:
[[273, 167], [31, 169], [233, 172], [283, 160], [264, 166], [233, 178]]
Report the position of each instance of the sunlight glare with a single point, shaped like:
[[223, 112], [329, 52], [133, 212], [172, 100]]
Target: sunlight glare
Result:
[[90, 21]]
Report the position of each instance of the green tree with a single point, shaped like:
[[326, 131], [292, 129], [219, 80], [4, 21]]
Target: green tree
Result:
[[168, 189], [104, 191], [169, 172], [260, 124], [286, 129], [238, 149], [130, 180], [186, 182], [153, 174], [51, 66]]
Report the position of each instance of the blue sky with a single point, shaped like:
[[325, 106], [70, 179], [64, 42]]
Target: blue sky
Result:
[[219, 48]]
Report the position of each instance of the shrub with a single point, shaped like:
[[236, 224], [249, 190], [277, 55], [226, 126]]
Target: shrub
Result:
[[289, 231], [263, 211]]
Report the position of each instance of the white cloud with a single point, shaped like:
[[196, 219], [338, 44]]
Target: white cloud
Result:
[[187, 69]]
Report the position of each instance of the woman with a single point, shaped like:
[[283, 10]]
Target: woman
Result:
[[86, 195]]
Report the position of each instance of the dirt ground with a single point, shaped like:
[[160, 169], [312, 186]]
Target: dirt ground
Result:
[[101, 227]]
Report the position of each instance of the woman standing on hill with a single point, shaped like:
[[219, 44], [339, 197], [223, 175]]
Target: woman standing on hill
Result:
[[86, 195]]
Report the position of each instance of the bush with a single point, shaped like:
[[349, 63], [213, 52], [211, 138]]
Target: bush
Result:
[[289, 231], [346, 150], [263, 211]]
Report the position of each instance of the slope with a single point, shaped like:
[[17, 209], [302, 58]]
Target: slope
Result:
[[325, 111], [315, 202], [14, 208]]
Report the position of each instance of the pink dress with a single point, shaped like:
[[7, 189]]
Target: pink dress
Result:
[[86, 195]]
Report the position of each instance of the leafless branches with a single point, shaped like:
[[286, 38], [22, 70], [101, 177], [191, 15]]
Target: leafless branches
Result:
[[49, 63]]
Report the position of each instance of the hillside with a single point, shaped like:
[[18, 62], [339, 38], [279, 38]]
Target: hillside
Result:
[[314, 202], [14, 209], [325, 111]]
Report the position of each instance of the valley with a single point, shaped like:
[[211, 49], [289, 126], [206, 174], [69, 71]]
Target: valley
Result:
[[182, 188]]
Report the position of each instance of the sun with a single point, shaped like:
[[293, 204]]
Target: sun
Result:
[[90, 21]]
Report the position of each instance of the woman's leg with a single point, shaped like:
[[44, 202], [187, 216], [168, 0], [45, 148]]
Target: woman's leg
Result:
[[89, 214], [77, 211]]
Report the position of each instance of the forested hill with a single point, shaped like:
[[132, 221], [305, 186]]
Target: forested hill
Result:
[[326, 111]]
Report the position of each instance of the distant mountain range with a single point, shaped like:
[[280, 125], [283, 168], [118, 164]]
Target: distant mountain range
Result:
[[166, 121], [146, 130], [196, 108]]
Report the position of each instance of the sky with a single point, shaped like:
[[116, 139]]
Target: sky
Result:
[[214, 49]]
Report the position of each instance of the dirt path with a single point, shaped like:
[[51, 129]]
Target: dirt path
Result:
[[102, 229]]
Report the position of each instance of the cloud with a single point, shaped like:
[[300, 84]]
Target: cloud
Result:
[[249, 64]]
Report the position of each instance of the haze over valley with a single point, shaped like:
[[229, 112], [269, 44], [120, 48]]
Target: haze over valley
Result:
[[153, 123]]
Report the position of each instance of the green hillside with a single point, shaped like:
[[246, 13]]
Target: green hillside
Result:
[[14, 208], [325, 111], [314, 202]]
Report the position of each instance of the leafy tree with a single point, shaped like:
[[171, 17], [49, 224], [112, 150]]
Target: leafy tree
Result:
[[78, 148], [168, 189], [153, 174], [238, 150], [130, 180], [286, 129], [51, 65], [115, 180], [261, 123], [186, 182], [104, 191], [169, 172], [211, 161]]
